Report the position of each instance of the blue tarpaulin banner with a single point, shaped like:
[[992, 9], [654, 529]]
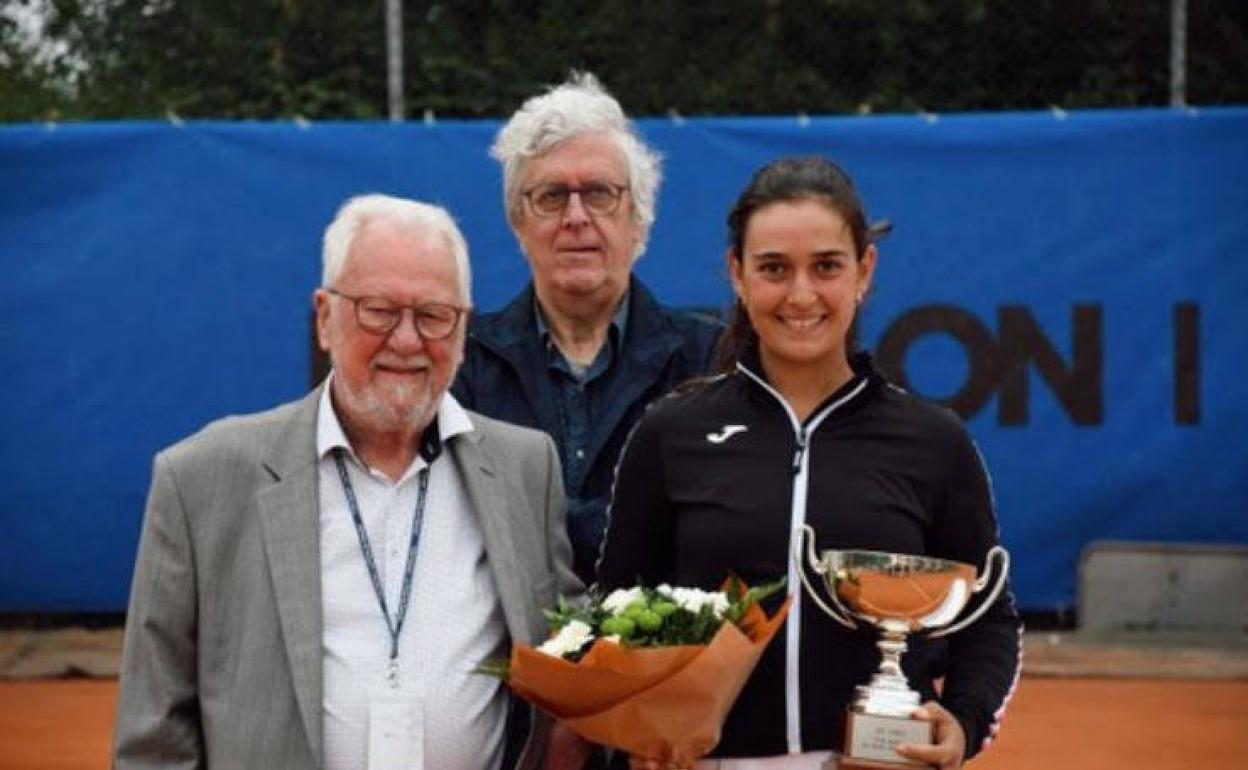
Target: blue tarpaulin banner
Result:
[[1073, 283]]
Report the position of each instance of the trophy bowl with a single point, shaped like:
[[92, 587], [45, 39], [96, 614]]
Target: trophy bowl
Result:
[[886, 589], [900, 595]]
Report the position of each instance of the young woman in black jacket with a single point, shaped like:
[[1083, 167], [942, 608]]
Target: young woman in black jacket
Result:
[[719, 478]]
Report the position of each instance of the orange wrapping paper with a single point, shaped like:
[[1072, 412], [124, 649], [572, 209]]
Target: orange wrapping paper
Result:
[[661, 703]]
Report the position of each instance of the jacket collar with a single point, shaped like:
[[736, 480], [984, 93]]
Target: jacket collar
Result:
[[750, 362], [615, 331], [511, 331], [649, 344]]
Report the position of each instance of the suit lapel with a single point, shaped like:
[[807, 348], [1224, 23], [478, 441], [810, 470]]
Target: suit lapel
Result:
[[290, 521], [487, 492]]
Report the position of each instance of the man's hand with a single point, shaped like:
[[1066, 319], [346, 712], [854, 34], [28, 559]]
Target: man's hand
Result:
[[565, 750], [950, 747]]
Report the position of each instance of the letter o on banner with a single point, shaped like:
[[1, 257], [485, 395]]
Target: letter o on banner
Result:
[[984, 370]]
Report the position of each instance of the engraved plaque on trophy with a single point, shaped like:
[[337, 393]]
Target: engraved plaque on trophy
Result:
[[901, 595]]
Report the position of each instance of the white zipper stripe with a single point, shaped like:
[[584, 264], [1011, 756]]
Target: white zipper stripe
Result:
[[797, 517]]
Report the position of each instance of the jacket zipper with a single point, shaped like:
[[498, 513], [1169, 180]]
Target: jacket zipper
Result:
[[800, 451], [797, 517]]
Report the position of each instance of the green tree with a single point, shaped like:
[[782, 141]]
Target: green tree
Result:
[[225, 58], [31, 87], [322, 59]]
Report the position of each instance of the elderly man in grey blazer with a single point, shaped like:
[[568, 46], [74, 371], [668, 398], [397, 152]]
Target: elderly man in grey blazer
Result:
[[315, 583]]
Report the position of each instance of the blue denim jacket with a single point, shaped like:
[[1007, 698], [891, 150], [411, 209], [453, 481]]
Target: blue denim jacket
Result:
[[505, 375]]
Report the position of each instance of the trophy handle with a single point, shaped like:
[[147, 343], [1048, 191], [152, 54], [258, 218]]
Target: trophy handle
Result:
[[999, 555], [808, 535]]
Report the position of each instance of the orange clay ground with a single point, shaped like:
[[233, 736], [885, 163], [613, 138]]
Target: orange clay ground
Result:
[[1053, 723]]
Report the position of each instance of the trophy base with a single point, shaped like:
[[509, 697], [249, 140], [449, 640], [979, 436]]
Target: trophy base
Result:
[[870, 739]]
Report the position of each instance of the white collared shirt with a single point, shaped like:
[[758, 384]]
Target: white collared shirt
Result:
[[440, 714]]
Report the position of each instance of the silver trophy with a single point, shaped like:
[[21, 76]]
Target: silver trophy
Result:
[[900, 594]]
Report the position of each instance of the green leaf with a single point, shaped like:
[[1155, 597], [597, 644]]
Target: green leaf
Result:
[[499, 668]]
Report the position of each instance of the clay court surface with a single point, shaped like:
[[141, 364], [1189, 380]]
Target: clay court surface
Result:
[[1079, 705], [1052, 723]]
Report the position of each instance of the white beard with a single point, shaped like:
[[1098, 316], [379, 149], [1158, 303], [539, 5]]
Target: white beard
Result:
[[391, 408]]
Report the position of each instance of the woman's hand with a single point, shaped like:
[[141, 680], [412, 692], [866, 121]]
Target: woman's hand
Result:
[[949, 749]]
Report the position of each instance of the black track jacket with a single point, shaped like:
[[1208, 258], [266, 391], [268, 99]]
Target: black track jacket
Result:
[[716, 479]]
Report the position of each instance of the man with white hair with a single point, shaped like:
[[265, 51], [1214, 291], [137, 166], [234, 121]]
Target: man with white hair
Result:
[[585, 347], [316, 583]]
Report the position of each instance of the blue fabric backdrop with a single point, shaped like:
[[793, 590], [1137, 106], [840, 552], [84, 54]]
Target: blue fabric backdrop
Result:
[[158, 276]]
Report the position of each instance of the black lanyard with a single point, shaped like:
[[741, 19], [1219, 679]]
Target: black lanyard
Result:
[[395, 626]]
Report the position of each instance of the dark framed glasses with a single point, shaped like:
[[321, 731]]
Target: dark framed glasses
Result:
[[378, 315], [550, 199]]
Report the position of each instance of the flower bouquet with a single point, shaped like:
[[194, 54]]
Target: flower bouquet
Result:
[[649, 671]]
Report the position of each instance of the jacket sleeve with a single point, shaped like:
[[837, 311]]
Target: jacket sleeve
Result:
[[984, 658], [158, 718], [640, 539]]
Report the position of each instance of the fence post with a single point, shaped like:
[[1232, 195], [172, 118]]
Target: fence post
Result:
[[1178, 53], [394, 57]]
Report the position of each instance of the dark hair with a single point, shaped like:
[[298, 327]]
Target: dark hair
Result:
[[789, 180]]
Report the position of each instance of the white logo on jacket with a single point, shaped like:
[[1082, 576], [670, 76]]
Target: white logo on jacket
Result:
[[725, 433]]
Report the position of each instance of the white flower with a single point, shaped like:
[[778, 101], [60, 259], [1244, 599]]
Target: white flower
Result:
[[570, 638], [694, 599], [620, 598]]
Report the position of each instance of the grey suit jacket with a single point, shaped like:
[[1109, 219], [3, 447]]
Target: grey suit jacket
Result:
[[222, 659]]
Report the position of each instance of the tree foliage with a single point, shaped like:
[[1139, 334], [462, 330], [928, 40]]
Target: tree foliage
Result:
[[30, 85], [326, 58]]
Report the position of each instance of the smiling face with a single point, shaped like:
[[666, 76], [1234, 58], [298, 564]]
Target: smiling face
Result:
[[800, 282], [579, 254], [386, 383]]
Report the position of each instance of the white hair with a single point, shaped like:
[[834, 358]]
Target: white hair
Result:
[[575, 108], [423, 219]]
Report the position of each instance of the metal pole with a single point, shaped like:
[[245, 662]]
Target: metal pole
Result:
[[1178, 53], [394, 57]]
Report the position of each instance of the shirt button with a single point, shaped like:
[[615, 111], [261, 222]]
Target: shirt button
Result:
[[580, 454]]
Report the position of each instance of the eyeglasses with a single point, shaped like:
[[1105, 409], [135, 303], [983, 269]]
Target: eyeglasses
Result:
[[378, 315], [550, 199]]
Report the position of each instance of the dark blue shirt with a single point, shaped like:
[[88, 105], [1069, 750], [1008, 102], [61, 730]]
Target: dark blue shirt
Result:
[[575, 402]]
